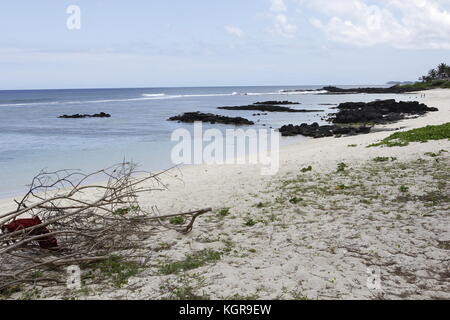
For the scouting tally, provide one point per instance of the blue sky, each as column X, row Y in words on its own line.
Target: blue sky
column 214, row 43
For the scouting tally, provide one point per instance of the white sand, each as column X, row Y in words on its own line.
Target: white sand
column 322, row 249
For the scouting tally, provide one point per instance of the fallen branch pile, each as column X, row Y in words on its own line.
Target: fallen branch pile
column 63, row 220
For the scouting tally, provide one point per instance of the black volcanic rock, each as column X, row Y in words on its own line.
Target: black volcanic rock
column 277, row 103
column 82, row 116
column 394, row 89
column 316, row 131
column 380, row 111
column 267, row 108
column 376, row 112
column 190, row 117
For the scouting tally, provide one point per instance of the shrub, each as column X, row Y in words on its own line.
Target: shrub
column 401, row 139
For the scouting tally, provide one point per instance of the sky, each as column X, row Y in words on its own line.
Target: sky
column 155, row 43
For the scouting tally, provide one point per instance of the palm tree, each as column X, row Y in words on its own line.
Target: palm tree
column 447, row 72
column 442, row 71
column 432, row 74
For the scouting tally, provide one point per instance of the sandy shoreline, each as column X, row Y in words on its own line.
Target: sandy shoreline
column 212, row 184
column 318, row 250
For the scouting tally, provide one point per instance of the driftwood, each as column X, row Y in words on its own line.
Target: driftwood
column 91, row 222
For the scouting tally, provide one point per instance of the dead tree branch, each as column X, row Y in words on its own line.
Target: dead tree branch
column 82, row 218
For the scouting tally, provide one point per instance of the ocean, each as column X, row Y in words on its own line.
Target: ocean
column 33, row 138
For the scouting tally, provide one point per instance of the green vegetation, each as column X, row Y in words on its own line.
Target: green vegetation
column 8, row 292
column 401, row 139
column 384, row 159
column 435, row 155
column 341, row 167
column 295, row 200
column 343, row 187
column 184, row 288
column 262, row 205
column 435, row 84
column 192, row 261
column 381, row 159
column 298, row 295
column 32, row 294
column 436, row 78
column 237, row 297
column 125, row 211
column 118, row 270
column 224, row 212
column 442, row 73
column 304, row 170
column 179, row 220
column 250, row 222
column 434, row 198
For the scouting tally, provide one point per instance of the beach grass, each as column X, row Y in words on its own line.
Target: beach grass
column 184, row 287
column 118, row 270
column 192, row 261
column 401, row 139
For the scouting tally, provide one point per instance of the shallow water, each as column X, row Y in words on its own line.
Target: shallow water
column 34, row 138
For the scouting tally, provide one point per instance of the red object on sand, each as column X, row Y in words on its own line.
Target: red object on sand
column 20, row 224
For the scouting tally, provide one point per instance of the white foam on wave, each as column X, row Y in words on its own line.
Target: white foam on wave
column 281, row 92
column 302, row 92
column 153, row 94
column 163, row 96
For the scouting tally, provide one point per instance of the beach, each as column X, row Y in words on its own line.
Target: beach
column 318, row 233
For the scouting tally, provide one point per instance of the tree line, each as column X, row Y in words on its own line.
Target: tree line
column 442, row 72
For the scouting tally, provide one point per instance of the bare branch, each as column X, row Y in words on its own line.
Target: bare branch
column 82, row 218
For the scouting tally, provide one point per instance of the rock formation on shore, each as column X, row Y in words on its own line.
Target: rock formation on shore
column 393, row 89
column 82, row 116
column 259, row 106
column 370, row 90
column 277, row 103
column 190, row 117
column 316, row 131
column 354, row 117
column 380, row 111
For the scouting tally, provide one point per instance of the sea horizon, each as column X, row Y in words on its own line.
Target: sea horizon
column 202, row 86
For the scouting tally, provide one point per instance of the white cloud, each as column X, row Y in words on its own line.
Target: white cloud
column 235, row 31
column 282, row 27
column 278, row 6
column 418, row 24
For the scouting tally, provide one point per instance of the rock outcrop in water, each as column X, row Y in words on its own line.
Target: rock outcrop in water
column 82, row 116
column 259, row 106
column 280, row 103
column 370, row 90
column 316, row 131
column 394, row 89
column 380, row 111
column 190, row 117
